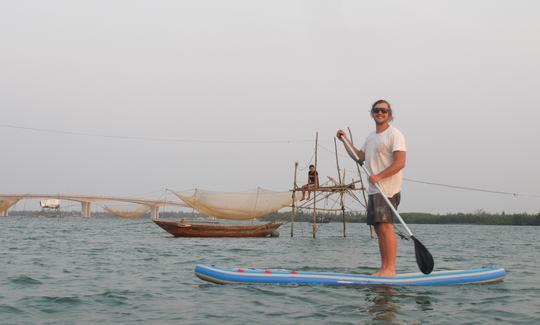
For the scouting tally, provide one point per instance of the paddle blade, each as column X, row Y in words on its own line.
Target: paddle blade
column 423, row 257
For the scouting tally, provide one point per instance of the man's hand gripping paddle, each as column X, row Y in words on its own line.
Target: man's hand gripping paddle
column 423, row 256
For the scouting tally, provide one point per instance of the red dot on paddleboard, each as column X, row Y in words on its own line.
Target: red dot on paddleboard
column 294, row 272
column 268, row 271
column 239, row 270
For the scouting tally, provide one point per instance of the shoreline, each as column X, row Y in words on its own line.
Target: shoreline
column 502, row 219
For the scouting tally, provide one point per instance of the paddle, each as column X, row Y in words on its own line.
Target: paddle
column 423, row 256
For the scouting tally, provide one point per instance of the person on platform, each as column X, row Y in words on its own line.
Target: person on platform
column 313, row 182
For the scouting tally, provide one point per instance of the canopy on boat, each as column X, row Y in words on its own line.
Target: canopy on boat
column 236, row 205
column 50, row 204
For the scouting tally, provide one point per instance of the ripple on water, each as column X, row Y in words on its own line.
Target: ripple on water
column 51, row 304
column 70, row 300
column 113, row 297
column 7, row 309
column 24, row 280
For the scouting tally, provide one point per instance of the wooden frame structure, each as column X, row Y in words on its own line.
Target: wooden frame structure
column 325, row 191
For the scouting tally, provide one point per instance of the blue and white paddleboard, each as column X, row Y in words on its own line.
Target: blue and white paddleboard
column 281, row 276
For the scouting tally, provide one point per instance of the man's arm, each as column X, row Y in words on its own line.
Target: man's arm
column 399, row 163
column 354, row 153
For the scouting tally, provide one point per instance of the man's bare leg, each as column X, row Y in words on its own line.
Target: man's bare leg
column 387, row 248
column 309, row 188
column 381, row 251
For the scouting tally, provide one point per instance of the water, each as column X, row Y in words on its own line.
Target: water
column 114, row 271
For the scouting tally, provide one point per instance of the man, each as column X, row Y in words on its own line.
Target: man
column 384, row 154
column 313, row 182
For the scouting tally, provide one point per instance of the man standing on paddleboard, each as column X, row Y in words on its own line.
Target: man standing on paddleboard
column 384, row 155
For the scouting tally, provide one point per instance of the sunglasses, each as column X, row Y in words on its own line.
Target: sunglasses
column 379, row 110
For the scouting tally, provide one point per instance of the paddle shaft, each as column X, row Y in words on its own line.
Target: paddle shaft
column 390, row 205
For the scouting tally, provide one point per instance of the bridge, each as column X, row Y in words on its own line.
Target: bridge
column 8, row 200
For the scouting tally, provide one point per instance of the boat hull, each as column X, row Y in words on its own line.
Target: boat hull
column 281, row 276
column 182, row 229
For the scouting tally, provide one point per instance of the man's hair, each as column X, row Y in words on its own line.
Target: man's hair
column 311, row 166
column 382, row 101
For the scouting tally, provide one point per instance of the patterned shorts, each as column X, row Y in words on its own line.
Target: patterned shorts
column 379, row 211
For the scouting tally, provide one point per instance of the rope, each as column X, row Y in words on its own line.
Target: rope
column 309, row 163
column 469, row 188
column 458, row 187
column 127, row 137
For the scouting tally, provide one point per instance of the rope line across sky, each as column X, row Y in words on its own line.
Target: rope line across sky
column 214, row 141
column 125, row 137
column 457, row 187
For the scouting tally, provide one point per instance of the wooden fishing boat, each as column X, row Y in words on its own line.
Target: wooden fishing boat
column 185, row 229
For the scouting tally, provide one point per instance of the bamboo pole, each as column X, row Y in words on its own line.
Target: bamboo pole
column 293, row 211
column 351, row 193
column 359, row 173
column 361, row 184
column 305, row 206
column 318, row 209
column 341, row 195
column 341, row 191
column 314, row 221
column 333, row 189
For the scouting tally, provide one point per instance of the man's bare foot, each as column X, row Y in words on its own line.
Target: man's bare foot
column 376, row 273
column 384, row 273
column 387, row 273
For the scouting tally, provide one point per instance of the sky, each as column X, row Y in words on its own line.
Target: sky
column 247, row 84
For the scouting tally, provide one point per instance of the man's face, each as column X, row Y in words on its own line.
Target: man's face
column 381, row 113
column 311, row 169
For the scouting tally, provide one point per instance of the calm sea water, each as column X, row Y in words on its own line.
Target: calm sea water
column 113, row 271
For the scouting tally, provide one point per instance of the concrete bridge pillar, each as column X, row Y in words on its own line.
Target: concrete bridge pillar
column 5, row 213
column 86, row 212
column 155, row 212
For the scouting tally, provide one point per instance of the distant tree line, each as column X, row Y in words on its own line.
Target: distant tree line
column 479, row 217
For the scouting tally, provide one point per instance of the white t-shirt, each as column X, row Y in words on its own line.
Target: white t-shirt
column 379, row 149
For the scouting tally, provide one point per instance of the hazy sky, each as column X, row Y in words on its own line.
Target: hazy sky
column 463, row 78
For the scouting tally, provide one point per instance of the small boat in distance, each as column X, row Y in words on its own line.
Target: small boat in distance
column 185, row 229
column 50, row 208
column 325, row 219
column 50, row 204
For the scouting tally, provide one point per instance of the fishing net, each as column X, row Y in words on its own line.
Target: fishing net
column 7, row 203
column 122, row 212
column 236, row 205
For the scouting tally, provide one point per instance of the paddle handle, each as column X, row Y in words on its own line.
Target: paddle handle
column 390, row 205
